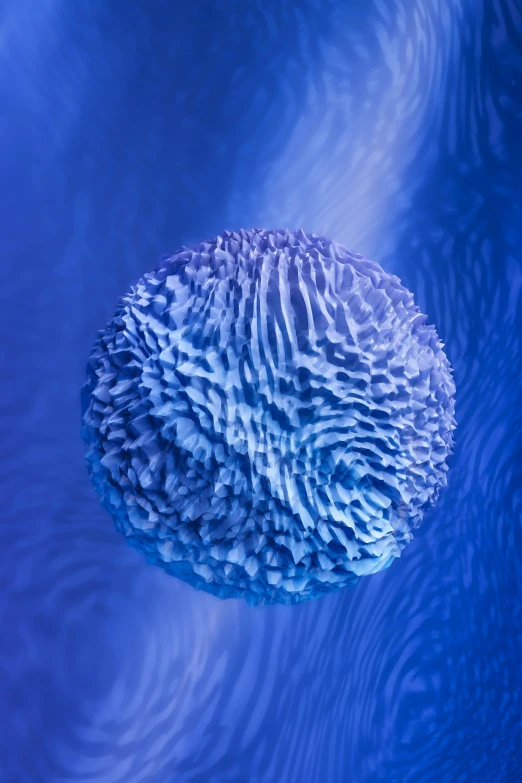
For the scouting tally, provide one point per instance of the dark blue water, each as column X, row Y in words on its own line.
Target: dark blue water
column 130, row 128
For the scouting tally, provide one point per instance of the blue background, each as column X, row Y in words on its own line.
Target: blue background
column 128, row 128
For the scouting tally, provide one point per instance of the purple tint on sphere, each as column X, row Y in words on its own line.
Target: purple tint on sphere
column 267, row 415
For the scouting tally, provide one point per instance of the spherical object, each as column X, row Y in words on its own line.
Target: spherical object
column 268, row 415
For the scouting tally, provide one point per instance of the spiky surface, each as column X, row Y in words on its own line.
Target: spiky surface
column 268, row 415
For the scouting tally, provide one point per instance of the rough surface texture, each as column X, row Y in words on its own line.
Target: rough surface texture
column 267, row 415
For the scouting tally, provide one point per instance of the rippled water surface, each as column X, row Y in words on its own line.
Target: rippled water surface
column 130, row 128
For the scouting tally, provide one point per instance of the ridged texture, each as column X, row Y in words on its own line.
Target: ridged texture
column 267, row 415
column 127, row 128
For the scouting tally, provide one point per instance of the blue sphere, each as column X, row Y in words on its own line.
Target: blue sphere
column 267, row 415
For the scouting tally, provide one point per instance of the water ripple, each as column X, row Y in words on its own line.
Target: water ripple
column 130, row 129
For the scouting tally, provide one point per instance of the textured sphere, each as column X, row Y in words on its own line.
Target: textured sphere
column 268, row 415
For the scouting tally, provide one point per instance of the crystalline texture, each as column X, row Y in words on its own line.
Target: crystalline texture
column 268, row 415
